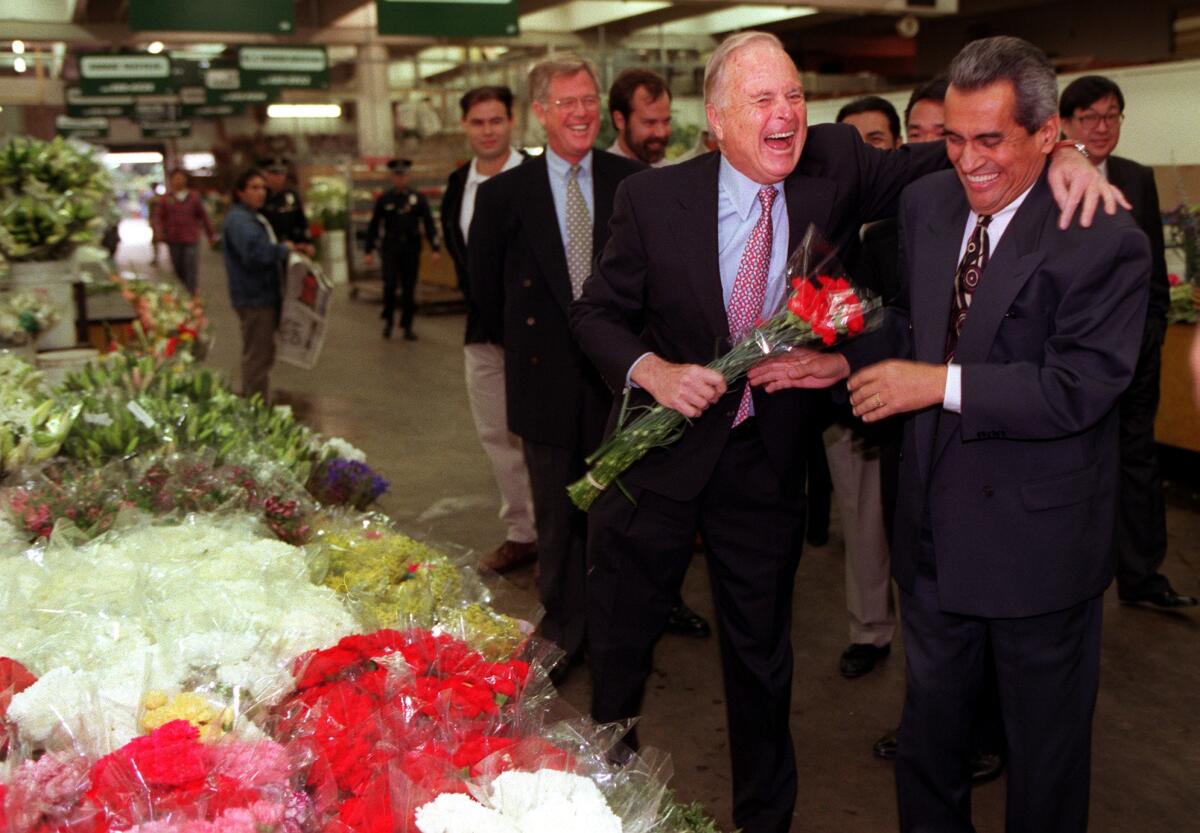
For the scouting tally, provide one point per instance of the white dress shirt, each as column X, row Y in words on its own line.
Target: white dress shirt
column 952, row 396
column 474, row 180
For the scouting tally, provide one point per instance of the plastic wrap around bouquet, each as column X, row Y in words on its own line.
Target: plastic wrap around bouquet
column 823, row 307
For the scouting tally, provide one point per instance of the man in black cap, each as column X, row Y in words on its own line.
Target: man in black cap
column 283, row 208
column 399, row 210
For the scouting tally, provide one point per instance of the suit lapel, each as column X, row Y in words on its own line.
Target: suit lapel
column 930, row 285
column 810, row 201
column 604, row 187
column 541, row 223
column 695, row 227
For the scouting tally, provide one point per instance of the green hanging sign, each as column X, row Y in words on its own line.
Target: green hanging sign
column 80, row 106
column 268, row 17
column 448, row 18
column 93, row 128
column 124, row 74
column 166, row 129
column 277, row 67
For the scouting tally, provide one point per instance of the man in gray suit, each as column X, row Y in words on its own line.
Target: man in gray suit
column 1010, row 367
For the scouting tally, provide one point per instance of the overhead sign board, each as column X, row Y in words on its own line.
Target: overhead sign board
column 166, row 129
column 95, row 128
column 276, row 67
column 269, row 17
column 82, row 106
column 124, row 74
column 448, row 18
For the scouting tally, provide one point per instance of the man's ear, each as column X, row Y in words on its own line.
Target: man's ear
column 1048, row 134
column 618, row 120
column 714, row 122
column 539, row 111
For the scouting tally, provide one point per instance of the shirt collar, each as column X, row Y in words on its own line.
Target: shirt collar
column 559, row 167
column 1005, row 214
column 474, row 177
column 742, row 190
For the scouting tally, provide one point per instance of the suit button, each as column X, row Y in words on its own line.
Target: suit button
column 988, row 491
column 530, row 321
column 527, row 283
column 534, row 360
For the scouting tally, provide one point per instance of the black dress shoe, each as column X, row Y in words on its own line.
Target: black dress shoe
column 409, row 335
column 986, row 766
column 1165, row 598
column 683, row 621
column 860, row 658
column 887, row 745
column 387, row 330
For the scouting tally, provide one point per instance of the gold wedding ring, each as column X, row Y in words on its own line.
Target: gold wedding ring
column 878, row 401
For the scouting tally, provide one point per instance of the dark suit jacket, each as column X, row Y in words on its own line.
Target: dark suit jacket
column 1137, row 183
column 657, row 285
column 1020, row 489
column 456, row 185
column 521, row 290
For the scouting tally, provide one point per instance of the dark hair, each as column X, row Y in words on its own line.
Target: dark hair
column 243, row 180
column 1003, row 58
column 932, row 90
column 872, row 104
column 176, row 171
column 479, row 95
column 620, row 95
column 1085, row 91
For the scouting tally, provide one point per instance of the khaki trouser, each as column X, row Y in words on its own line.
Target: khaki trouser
column 258, row 348
column 485, row 389
column 854, row 469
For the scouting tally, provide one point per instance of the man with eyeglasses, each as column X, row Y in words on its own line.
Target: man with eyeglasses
column 1092, row 109
column 530, row 249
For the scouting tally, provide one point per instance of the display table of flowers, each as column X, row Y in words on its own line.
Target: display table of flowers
column 204, row 627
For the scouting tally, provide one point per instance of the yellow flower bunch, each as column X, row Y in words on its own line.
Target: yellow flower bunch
column 159, row 708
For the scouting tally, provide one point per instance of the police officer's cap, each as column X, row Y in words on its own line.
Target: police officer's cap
column 399, row 166
column 275, row 165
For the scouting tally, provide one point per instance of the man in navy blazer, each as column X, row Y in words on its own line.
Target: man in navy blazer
column 1010, row 462
column 529, row 250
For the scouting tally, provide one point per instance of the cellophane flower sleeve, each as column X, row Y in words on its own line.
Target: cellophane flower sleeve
column 822, row 307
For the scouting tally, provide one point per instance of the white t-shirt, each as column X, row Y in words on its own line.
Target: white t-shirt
column 474, row 179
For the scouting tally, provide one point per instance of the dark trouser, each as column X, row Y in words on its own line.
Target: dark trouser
column 1048, row 670
column 561, row 537
column 185, row 260
column 400, row 266
column 1142, row 519
column 258, row 348
column 752, row 524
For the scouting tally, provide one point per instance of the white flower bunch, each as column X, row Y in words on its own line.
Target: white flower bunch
column 337, row 447
column 546, row 801
column 207, row 602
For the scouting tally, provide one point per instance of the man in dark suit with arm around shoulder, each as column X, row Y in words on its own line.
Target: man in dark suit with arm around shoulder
column 529, row 251
column 1013, row 362
column 1092, row 108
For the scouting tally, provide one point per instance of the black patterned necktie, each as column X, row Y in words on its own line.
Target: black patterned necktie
column 966, row 281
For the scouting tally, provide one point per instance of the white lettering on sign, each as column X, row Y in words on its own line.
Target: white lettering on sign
column 269, row 59
column 125, row 66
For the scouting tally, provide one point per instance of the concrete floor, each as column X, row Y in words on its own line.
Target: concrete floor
column 405, row 405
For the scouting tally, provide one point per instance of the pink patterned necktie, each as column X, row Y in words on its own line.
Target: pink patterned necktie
column 750, row 286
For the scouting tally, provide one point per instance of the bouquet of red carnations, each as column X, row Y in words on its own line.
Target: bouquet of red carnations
column 823, row 306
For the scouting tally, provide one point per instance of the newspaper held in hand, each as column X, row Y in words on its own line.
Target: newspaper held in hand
column 306, row 296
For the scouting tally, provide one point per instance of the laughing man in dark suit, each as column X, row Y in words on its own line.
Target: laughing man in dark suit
column 1012, row 366
column 529, row 251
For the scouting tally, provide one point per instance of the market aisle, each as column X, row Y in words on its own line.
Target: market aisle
column 405, row 405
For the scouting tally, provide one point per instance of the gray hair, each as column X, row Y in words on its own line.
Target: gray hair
column 560, row 66
column 714, row 71
column 988, row 61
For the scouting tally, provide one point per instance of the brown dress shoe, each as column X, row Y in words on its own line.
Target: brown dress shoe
column 509, row 556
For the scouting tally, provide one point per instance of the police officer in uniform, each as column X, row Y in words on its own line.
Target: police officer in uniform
column 283, row 208
column 397, row 214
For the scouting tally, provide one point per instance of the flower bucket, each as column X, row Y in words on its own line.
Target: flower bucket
column 57, row 278
column 56, row 364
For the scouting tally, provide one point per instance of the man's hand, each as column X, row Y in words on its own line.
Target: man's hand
column 307, row 249
column 435, row 255
column 1072, row 179
column 687, row 388
column 799, row 368
column 894, row 387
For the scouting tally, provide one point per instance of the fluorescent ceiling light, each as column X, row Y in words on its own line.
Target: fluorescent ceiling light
column 536, row 150
column 586, row 14
column 155, row 48
column 198, row 161
column 304, row 111
column 133, row 157
column 19, row 64
column 730, row 20
column 18, row 47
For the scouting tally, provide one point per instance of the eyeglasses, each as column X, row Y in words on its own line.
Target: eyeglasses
column 1090, row 121
column 587, row 102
